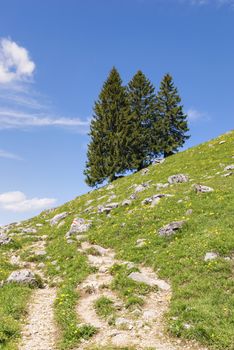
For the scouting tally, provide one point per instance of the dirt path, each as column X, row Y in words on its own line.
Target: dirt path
column 39, row 331
column 142, row 330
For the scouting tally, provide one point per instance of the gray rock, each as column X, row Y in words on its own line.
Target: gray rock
column 170, row 229
column 229, row 167
column 144, row 171
column 189, row 212
column 29, row 230
column 39, row 225
column 155, row 198
column 126, row 202
column 158, row 161
column 113, row 196
column 160, row 185
column 178, row 178
column 100, row 250
column 41, row 265
column 78, row 225
column 202, row 189
column 4, row 239
column 141, row 242
column 222, row 142
column 210, row 256
column 55, row 220
column 141, row 187
column 150, row 281
column 23, row 277
column 133, row 196
column 88, row 202
column 227, row 174
column 107, row 208
column 40, row 253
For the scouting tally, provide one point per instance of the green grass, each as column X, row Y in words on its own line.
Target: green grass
column 202, row 292
column 105, row 307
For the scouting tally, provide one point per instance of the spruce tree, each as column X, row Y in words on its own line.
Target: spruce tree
column 110, row 132
column 142, row 101
column 171, row 125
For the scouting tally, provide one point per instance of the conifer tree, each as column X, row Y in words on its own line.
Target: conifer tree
column 171, row 126
column 110, row 132
column 142, row 101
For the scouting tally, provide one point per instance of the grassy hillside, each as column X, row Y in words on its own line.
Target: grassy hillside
column 203, row 291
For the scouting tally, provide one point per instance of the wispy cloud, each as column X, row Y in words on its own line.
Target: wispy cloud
column 218, row 3
column 13, row 119
column 22, row 107
column 194, row 115
column 9, row 155
column 17, row 201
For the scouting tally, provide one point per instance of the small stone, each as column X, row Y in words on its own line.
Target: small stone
column 210, row 256
column 141, row 242
column 144, row 171
column 126, row 202
column 178, row 178
column 141, row 187
column 41, row 265
column 170, row 229
column 187, row 325
column 150, row 281
column 39, row 225
column 229, row 167
column 189, row 212
column 29, row 230
column 40, row 252
column 222, row 142
column 202, row 189
column 160, row 185
column 158, row 161
column 100, row 250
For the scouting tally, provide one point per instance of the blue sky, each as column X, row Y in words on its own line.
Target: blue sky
column 54, row 57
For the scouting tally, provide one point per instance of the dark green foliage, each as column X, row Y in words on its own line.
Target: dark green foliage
column 131, row 126
column 142, row 100
column 108, row 151
column 171, row 125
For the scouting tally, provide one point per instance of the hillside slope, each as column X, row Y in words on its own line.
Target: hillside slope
column 200, row 304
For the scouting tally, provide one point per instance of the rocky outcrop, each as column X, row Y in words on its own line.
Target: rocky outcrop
column 55, row 220
column 202, row 189
column 178, row 178
column 23, row 277
column 78, row 225
column 4, row 239
column 107, row 208
column 170, row 229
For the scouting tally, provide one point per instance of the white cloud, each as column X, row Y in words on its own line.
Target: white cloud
column 17, row 201
column 15, row 63
column 12, row 119
column 195, row 115
column 9, row 155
